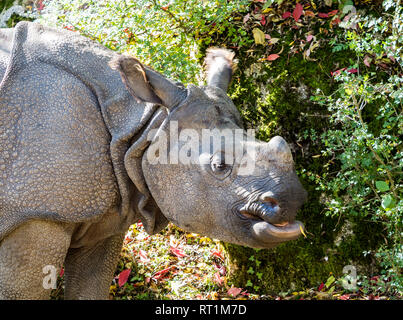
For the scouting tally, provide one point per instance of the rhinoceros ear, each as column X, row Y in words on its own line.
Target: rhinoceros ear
column 219, row 66
column 147, row 85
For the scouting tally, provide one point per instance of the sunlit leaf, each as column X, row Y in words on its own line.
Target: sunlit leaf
column 273, row 57
column 259, row 36
column 297, row 11
column 123, row 276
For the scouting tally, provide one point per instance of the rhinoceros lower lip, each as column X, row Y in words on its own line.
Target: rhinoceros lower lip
column 272, row 232
column 267, row 232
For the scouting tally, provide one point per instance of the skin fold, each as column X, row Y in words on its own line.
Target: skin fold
column 79, row 127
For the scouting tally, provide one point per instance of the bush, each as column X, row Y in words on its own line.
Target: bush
column 366, row 135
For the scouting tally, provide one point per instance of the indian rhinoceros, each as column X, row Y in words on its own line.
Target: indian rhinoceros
column 76, row 123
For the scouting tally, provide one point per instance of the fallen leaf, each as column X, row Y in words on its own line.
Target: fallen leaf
column 309, row 37
column 40, row 5
column 272, row 57
column 61, row 272
column 234, row 291
column 297, row 11
column 263, row 20
column 274, row 40
column 246, row 18
column 143, row 256
column 344, row 297
column 321, row 286
column 286, row 14
column 160, row 274
column 217, row 279
column 309, row 13
column 259, row 36
column 217, row 254
column 123, row 276
column 352, row 70
column 323, row 15
column 177, row 252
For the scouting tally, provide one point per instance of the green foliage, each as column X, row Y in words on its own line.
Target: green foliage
column 366, row 135
column 163, row 34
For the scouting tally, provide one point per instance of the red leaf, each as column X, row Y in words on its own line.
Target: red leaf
column 321, row 286
column 165, row 8
column 367, row 61
column 234, row 291
column 177, row 252
column 223, row 270
column 336, row 21
column 217, row 254
column 352, row 70
column 263, row 20
column 40, row 5
column 344, row 297
column 297, row 11
column 286, row 14
column 160, row 274
column 123, row 276
column 309, row 37
column 61, row 272
column 337, row 72
column 323, row 15
column 272, row 57
column 143, row 256
column 332, row 13
column 218, row 279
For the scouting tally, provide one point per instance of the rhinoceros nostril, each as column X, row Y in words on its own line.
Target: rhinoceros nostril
column 268, row 197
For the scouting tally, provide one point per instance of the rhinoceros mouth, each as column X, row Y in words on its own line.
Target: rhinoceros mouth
column 265, row 224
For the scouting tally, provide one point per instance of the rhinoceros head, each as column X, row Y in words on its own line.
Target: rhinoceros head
column 205, row 172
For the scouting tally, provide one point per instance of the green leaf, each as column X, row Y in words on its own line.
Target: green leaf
column 250, row 270
column 382, row 186
column 329, row 281
column 388, row 202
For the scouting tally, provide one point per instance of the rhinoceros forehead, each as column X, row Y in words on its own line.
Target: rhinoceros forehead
column 209, row 105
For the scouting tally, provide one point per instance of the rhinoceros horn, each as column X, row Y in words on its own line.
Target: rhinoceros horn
column 147, row 85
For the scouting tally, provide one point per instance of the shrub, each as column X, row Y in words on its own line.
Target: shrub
column 366, row 135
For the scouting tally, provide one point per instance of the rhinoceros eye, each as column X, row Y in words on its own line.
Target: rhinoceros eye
column 218, row 165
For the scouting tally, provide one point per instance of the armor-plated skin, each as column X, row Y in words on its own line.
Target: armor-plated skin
column 75, row 122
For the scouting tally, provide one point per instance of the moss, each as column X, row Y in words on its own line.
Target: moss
column 274, row 98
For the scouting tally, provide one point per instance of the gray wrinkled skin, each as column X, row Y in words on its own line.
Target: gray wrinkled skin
column 74, row 170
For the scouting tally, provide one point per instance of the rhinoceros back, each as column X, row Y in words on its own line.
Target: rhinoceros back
column 55, row 160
